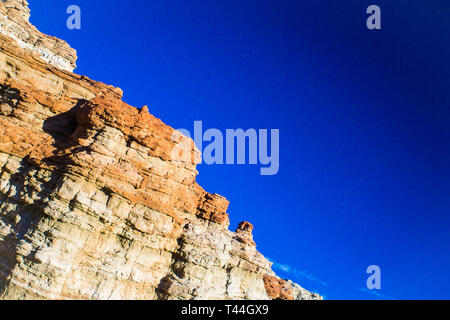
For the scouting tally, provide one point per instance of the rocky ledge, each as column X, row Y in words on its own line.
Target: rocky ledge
column 92, row 203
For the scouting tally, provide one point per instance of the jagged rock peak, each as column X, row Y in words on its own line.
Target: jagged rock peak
column 20, row 5
column 14, row 23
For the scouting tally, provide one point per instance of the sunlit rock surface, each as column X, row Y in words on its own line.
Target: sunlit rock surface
column 93, row 205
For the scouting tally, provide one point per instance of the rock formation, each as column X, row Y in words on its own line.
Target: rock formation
column 93, row 205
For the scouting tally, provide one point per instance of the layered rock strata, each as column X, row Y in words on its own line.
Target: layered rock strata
column 14, row 22
column 93, row 205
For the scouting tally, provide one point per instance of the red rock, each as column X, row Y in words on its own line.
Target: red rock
column 245, row 226
column 277, row 289
column 94, row 205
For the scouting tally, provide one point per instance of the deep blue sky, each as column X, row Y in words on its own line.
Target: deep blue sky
column 363, row 115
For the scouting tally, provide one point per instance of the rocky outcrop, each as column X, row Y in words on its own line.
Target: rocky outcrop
column 93, row 203
column 14, row 22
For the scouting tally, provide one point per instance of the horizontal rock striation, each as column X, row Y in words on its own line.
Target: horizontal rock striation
column 93, row 205
column 14, row 22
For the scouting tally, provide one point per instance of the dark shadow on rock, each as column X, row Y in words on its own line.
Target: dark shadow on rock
column 25, row 217
column 10, row 96
column 23, row 220
column 62, row 128
column 176, row 269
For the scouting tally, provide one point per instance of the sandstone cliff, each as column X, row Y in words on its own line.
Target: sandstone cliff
column 93, row 205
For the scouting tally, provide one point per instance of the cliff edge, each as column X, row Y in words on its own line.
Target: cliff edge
column 93, row 204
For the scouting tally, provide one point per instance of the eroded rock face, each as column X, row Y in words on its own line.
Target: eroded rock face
column 14, row 22
column 93, row 205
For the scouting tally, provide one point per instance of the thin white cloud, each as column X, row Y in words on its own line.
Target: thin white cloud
column 376, row 293
column 297, row 273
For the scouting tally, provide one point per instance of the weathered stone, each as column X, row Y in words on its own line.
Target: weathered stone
column 92, row 203
column 14, row 22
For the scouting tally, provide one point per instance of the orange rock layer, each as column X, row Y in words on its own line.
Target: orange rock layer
column 93, row 202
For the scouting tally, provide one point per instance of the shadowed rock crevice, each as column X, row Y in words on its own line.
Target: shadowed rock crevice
column 10, row 96
column 64, row 130
column 9, row 100
column 175, row 273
